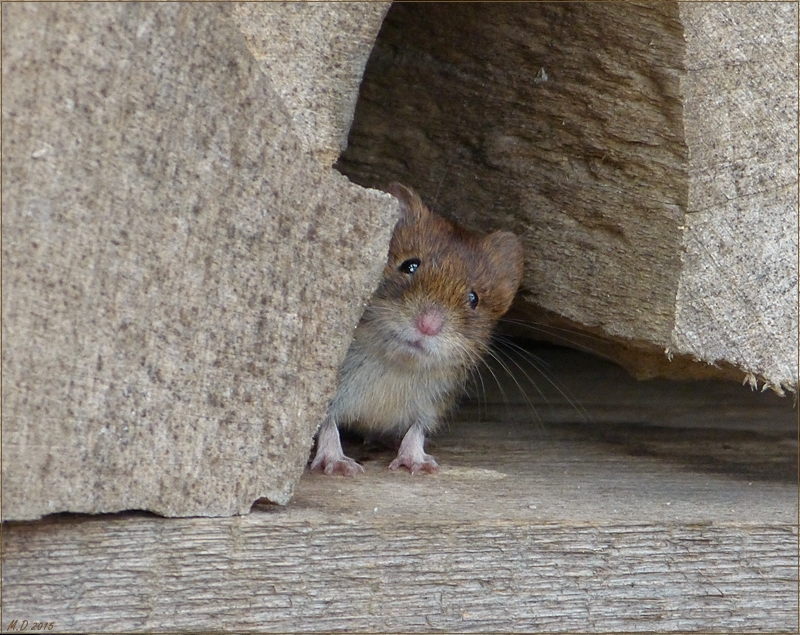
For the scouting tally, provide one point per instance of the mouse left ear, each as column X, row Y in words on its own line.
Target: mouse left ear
column 412, row 209
column 507, row 259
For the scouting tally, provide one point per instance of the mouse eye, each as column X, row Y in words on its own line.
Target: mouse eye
column 410, row 266
column 473, row 299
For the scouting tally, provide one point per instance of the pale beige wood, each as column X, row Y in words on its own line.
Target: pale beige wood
column 181, row 268
column 737, row 298
column 646, row 516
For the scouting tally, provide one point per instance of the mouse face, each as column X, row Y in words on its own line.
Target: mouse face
column 443, row 290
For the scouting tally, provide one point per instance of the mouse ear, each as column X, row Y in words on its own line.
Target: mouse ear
column 412, row 209
column 507, row 260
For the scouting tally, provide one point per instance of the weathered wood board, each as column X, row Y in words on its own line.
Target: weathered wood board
column 172, row 236
column 657, row 507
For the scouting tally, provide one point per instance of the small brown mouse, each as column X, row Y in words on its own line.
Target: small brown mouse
column 426, row 327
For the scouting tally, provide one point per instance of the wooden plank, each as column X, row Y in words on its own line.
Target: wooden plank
column 559, row 525
column 306, row 572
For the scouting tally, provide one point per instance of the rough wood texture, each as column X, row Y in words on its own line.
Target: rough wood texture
column 647, row 152
column 737, row 300
column 181, row 273
column 314, row 54
column 675, row 511
column 317, row 573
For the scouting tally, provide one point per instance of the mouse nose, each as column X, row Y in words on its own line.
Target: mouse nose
column 430, row 322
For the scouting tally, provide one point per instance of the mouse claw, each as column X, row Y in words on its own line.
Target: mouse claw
column 428, row 465
column 330, row 459
column 343, row 465
column 412, row 452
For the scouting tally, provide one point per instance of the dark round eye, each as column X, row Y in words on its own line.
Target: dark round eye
column 473, row 299
column 410, row 266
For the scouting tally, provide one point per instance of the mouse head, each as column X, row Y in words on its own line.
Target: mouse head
column 444, row 287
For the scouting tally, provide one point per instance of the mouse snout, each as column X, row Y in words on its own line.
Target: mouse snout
column 430, row 321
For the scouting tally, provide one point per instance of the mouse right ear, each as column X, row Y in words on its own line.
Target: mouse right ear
column 412, row 209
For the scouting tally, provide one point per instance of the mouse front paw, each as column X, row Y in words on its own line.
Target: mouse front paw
column 330, row 459
column 343, row 465
column 412, row 452
column 416, row 465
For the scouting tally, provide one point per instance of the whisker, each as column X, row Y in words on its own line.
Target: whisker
column 496, row 355
column 549, row 330
column 497, row 381
column 537, row 364
column 508, row 356
column 474, row 377
column 475, row 373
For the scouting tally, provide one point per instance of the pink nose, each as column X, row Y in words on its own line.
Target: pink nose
column 430, row 322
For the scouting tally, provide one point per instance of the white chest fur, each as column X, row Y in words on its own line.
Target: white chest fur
column 377, row 396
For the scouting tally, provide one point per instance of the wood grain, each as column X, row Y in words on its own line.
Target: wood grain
column 271, row 572
column 163, row 345
column 647, row 516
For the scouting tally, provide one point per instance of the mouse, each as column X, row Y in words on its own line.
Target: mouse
column 426, row 328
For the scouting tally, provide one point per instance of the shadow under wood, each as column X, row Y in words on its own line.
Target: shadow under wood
column 740, row 454
column 570, row 398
